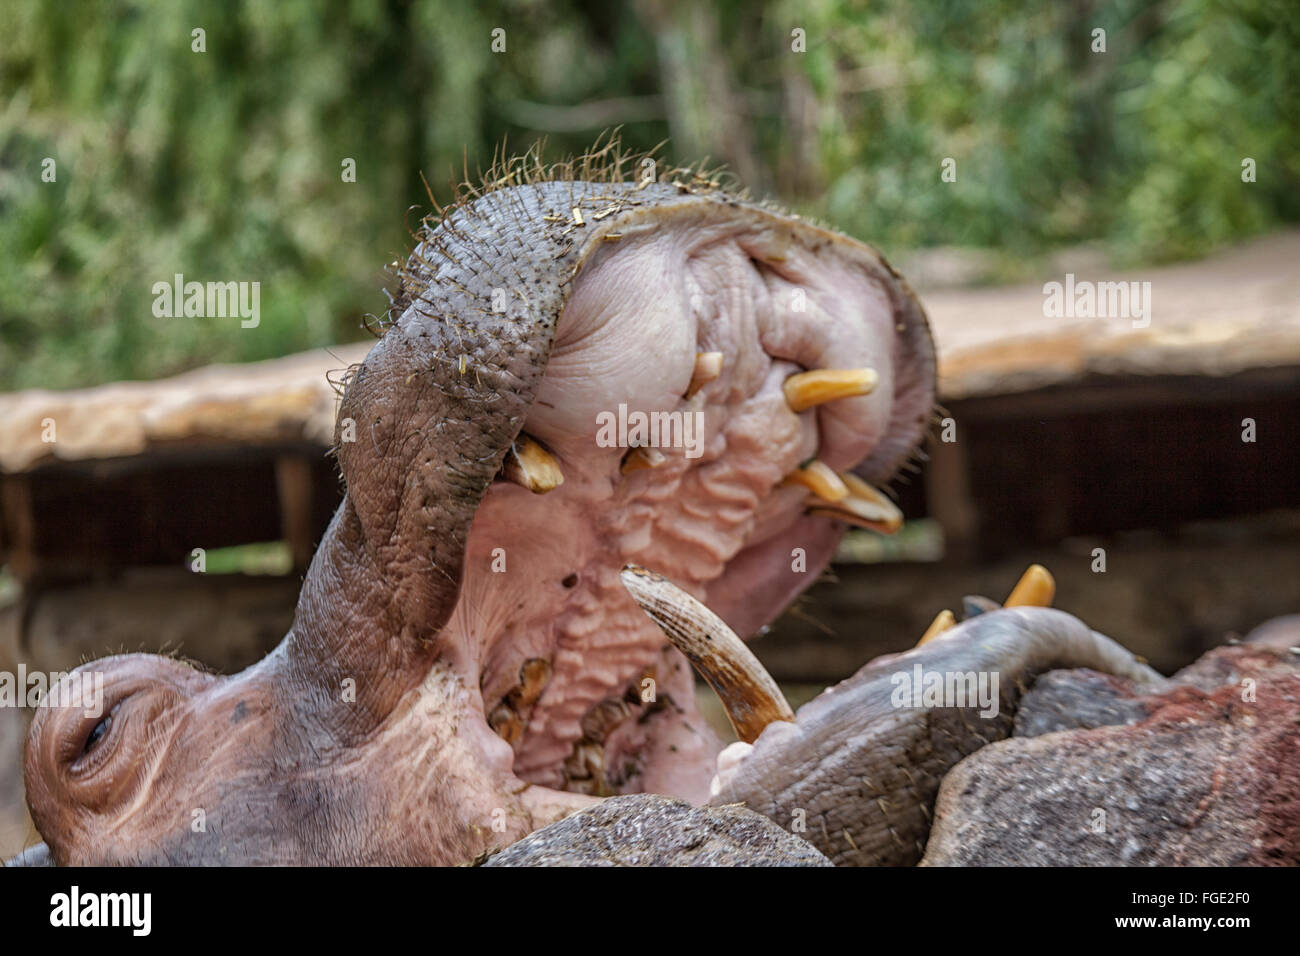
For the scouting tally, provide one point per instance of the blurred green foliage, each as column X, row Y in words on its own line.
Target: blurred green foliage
column 225, row 165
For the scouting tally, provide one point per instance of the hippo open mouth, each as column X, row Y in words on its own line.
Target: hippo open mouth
column 582, row 373
column 713, row 364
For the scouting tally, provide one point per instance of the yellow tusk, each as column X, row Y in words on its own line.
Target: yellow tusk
column 1036, row 588
column 819, row 478
column 639, row 458
column 943, row 621
column 865, row 507
column 708, row 366
column 806, row 389
column 531, row 465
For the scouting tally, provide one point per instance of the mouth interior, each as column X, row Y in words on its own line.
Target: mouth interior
column 584, row 688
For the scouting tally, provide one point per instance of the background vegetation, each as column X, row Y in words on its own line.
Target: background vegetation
column 225, row 165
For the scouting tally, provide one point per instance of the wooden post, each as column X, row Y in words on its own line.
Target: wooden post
column 293, row 482
column 948, row 497
column 20, row 522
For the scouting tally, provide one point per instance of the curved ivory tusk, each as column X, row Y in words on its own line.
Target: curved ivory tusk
column 750, row 696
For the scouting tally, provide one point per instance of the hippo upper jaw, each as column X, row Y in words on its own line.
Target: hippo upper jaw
column 464, row 665
column 572, row 676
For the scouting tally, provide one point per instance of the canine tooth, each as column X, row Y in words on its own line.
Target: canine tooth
column 748, row 693
column 806, row 389
column 819, row 478
column 531, row 465
column 642, row 457
column 1036, row 588
column 942, row 622
column 865, row 507
column 708, row 366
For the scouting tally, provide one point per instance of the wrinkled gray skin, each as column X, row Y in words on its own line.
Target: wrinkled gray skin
column 858, row 775
column 1200, row 770
column 363, row 737
column 650, row 830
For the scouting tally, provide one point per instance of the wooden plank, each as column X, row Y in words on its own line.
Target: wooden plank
column 274, row 403
column 1235, row 311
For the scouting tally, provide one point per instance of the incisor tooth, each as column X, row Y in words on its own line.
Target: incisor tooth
column 708, row 366
column 1036, row 588
column 748, row 693
column 806, row 389
column 942, row 622
column 865, row 507
column 531, row 465
column 642, row 457
column 819, row 478
column 854, row 512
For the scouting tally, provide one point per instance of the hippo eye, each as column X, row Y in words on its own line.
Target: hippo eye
column 97, row 733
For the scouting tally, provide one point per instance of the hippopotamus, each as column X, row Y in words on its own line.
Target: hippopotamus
column 615, row 418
